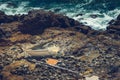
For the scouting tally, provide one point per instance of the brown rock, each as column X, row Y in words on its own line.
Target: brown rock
column 9, row 76
column 89, row 57
column 10, row 28
column 79, row 48
column 20, row 38
column 16, row 64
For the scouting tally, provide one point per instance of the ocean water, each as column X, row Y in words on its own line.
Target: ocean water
column 94, row 13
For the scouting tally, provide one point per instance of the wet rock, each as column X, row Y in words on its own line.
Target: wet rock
column 83, row 29
column 84, row 51
column 114, row 26
column 118, row 18
column 79, row 14
column 2, row 13
column 7, row 18
column 111, row 22
column 38, row 20
column 94, row 16
column 86, row 30
column 57, row 9
column 114, row 29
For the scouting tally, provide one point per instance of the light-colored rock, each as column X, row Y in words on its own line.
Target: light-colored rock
column 16, row 64
column 54, row 49
column 92, row 78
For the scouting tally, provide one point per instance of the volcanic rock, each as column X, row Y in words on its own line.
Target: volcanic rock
column 82, row 51
column 7, row 18
column 114, row 26
column 118, row 18
column 86, row 30
column 37, row 20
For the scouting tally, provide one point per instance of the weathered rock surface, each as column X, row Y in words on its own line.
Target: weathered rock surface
column 38, row 20
column 83, row 53
column 10, row 28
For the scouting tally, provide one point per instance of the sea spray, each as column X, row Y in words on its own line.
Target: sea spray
column 81, row 10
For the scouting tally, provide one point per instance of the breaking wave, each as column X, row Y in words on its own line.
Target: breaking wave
column 94, row 13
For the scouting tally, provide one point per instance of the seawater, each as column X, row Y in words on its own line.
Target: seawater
column 94, row 13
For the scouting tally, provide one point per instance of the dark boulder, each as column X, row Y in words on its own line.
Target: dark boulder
column 114, row 26
column 118, row 18
column 86, row 30
column 83, row 29
column 7, row 18
column 37, row 20
column 112, row 22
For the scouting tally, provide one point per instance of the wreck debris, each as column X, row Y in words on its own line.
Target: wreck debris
column 50, row 51
column 52, row 61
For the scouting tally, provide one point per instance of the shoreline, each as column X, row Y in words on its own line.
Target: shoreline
column 90, row 52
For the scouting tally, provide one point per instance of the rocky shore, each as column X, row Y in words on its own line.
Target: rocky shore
column 81, row 52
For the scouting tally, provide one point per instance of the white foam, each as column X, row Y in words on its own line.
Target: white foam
column 21, row 9
column 100, row 22
column 95, row 23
